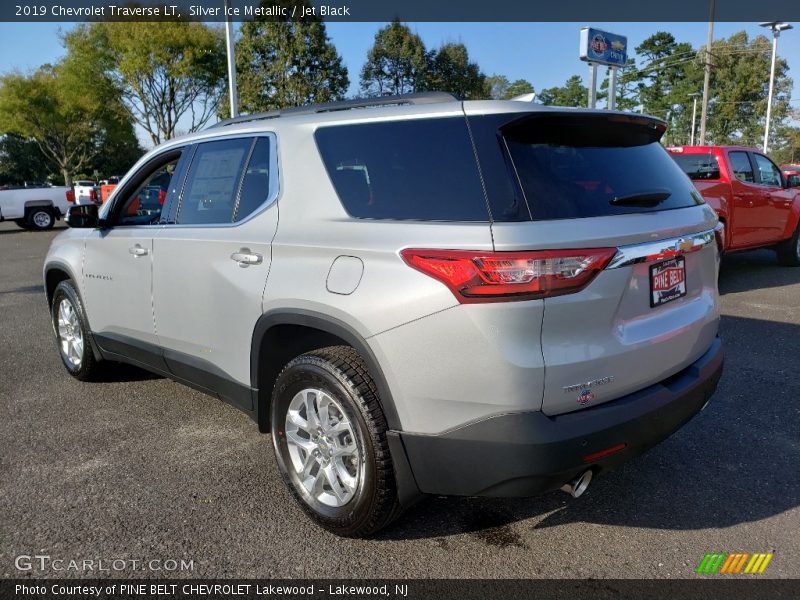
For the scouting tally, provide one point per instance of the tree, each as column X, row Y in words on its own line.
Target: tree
column 21, row 160
column 397, row 63
column 572, row 93
column 169, row 73
column 287, row 63
column 497, row 87
column 451, row 71
column 740, row 88
column 68, row 120
column 519, row 87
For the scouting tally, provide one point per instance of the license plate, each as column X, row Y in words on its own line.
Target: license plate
column 667, row 281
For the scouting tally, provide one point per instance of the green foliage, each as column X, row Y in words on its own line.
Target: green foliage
column 497, row 86
column 21, row 160
column 166, row 71
column 450, row 70
column 517, row 88
column 397, row 63
column 572, row 93
column 69, row 111
column 287, row 63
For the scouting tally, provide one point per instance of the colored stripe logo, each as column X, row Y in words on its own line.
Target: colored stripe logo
column 734, row 563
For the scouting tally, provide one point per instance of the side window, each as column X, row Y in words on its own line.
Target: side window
column 256, row 183
column 768, row 173
column 741, row 166
column 144, row 205
column 213, row 181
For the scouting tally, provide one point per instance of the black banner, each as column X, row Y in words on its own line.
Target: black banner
column 406, row 10
column 716, row 588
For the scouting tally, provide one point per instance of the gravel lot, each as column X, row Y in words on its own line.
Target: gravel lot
column 142, row 468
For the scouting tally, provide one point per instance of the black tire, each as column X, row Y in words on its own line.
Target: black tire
column 21, row 223
column 40, row 218
column 87, row 367
column 789, row 251
column 341, row 373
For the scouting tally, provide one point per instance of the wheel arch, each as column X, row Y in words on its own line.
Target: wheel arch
column 283, row 334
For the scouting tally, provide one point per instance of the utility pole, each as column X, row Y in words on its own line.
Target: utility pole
column 693, row 96
column 233, row 94
column 776, row 27
column 707, row 76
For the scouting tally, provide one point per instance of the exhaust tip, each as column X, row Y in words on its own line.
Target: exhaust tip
column 579, row 485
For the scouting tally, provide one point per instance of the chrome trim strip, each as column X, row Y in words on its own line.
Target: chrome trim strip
column 660, row 250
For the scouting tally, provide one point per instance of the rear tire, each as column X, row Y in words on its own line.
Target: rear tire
column 73, row 337
column 22, row 223
column 41, row 218
column 789, row 251
column 329, row 434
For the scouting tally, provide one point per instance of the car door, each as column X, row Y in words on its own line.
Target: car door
column 777, row 198
column 211, row 264
column 749, row 204
column 117, row 268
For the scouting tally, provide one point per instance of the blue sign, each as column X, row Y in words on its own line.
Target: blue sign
column 604, row 48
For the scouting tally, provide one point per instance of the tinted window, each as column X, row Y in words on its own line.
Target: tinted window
column 768, row 173
column 256, row 181
column 213, row 182
column 144, row 206
column 742, row 169
column 572, row 167
column 420, row 169
column 698, row 167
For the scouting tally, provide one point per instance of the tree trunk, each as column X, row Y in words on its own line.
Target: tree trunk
column 67, row 177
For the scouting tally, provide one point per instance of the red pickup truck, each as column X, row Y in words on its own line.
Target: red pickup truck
column 759, row 205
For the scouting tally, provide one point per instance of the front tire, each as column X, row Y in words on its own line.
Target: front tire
column 41, row 218
column 72, row 332
column 789, row 251
column 329, row 434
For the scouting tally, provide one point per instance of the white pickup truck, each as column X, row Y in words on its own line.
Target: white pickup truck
column 35, row 207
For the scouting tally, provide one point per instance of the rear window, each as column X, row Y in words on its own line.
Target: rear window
column 584, row 166
column 421, row 169
column 699, row 167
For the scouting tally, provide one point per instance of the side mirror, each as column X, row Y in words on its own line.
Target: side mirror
column 83, row 216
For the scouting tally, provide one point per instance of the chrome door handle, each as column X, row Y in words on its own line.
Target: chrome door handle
column 138, row 251
column 245, row 258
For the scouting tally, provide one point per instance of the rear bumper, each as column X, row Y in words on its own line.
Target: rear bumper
column 524, row 454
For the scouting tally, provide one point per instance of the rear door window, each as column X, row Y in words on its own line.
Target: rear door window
column 592, row 166
column 742, row 169
column 421, row 169
column 768, row 173
column 699, row 167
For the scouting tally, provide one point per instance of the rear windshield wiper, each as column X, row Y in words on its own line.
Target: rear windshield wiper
column 644, row 198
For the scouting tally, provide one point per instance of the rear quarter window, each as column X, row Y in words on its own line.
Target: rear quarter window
column 420, row 169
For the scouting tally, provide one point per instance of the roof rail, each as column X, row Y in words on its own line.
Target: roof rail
column 309, row 109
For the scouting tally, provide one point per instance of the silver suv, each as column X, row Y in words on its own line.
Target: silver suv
column 415, row 295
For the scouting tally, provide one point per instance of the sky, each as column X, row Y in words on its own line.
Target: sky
column 545, row 54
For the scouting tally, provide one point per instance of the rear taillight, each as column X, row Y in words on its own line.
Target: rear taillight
column 92, row 195
column 475, row 276
column 71, row 196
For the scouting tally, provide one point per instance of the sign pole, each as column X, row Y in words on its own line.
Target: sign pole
column 230, row 50
column 592, row 85
column 612, row 89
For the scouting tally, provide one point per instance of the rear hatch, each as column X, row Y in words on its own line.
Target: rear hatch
column 602, row 181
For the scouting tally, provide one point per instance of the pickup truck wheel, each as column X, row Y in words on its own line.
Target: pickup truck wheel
column 41, row 218
column 789, row 251
column 329, row 434
column 72, row 333
column 21, row 223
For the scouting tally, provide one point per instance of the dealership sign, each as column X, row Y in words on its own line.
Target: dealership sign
column 604, row 48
